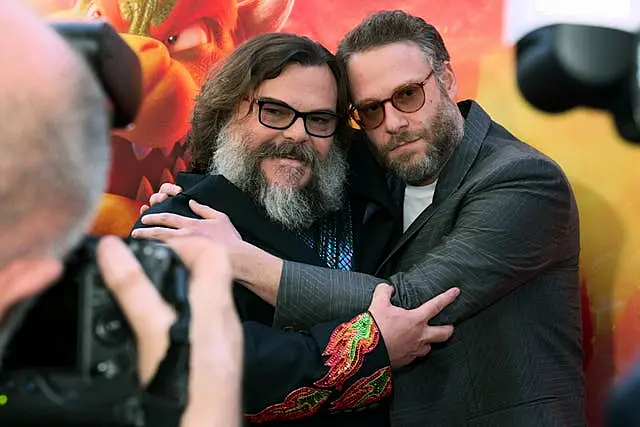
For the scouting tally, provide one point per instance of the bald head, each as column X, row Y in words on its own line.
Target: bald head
column 53, row 139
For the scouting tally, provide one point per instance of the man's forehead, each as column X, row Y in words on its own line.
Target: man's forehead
column 376, row 73
column 303, row 87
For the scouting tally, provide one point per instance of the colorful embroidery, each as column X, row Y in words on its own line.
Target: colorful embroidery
column 365, row 391
column 300, row 403
column 348, row 345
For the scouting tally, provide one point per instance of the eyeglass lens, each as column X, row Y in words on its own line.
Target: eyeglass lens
column 279, row 116
column 408, row 99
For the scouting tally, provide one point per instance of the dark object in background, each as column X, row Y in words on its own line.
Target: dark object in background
column 563, row 66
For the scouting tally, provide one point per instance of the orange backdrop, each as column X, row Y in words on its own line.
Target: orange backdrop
column 605, row 170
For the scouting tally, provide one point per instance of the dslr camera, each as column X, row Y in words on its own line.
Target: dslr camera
column 72, row 361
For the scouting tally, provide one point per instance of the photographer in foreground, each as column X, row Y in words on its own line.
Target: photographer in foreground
column 54, row 164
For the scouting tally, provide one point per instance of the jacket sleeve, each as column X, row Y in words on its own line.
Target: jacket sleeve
column 333, row 367
column 510, row 228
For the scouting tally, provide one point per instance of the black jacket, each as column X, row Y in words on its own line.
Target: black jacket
column 285, row 372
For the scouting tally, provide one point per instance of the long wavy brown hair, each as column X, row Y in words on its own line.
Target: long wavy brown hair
column 256, row 60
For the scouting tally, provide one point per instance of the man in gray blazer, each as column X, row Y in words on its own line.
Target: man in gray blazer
column 480, row 210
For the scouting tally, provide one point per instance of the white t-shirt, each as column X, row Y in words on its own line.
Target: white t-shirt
column 416, row 199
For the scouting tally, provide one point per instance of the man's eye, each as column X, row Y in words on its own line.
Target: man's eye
column 371, row 108
column 319, row 120
column 406, row 93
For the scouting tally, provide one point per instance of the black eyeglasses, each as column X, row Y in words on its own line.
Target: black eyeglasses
column 278, row 115
column 408, row 98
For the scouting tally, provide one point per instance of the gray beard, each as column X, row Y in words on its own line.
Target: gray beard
column 294, row 208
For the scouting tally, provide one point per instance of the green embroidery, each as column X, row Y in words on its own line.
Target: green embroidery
column 375, row 387
column 298, row 404
column 308, row 402
column 364, row 392
column 363, row 329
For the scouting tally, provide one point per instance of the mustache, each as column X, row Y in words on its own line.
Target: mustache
column 402, row 138
column 300, row 152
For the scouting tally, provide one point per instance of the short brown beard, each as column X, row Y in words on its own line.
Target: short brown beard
column 445, row 134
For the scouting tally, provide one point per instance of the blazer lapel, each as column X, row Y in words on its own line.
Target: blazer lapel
column 476, row 127
column 250, row 221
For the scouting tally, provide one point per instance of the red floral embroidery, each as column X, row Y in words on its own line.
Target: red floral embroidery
column 365, row 391
column 348, row 345
column 300, row 403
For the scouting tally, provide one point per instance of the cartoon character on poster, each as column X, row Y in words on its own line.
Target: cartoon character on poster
column 177, row 42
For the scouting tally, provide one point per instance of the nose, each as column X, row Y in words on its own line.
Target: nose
column 296, row 132
column 394, row 121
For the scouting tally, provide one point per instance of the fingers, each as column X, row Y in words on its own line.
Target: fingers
column 147, row 313
column 423, row 351
column 436, row 334
column 214, row 318
column 157, row 233
column 167, row 220
column 216, row 331
column 435, row 305
column 193, row 251
column 157, row 198
column 381, row 296
column 143, row 208
column 169, row 189
column 210, row 269
column 209, row 264
column 202, row 211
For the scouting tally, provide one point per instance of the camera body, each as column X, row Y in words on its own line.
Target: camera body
column 73, row 360
column 112, row 61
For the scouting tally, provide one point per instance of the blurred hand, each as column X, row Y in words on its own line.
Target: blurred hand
column 406, row 332
column 215, row 329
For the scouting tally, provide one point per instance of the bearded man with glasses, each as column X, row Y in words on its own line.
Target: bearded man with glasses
column 270, row 133
column 481, row 210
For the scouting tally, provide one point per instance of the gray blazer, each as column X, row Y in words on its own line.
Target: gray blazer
column 504, row 228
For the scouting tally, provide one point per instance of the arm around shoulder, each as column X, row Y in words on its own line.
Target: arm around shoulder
column 518, row 221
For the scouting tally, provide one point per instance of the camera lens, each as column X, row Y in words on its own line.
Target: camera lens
column 110, row 328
